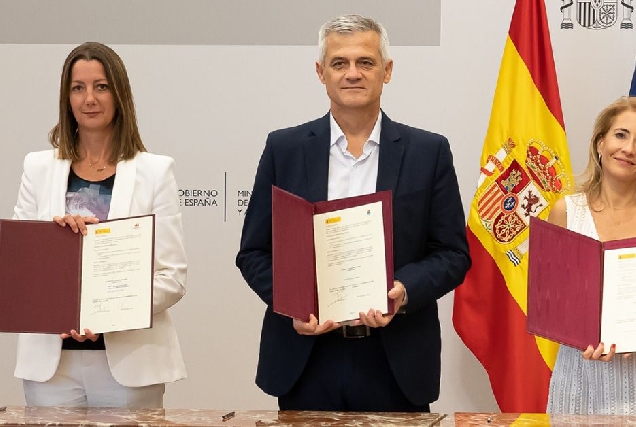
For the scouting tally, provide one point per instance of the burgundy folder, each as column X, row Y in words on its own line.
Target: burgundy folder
column 40, row 277
column 293, row 259
column 565, row 284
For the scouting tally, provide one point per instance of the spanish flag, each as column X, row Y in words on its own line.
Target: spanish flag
column 524, row 168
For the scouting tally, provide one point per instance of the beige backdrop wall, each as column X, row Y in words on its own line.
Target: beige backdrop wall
column 211, row 103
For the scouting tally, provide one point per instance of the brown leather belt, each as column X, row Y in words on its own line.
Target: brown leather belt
column 359, row 331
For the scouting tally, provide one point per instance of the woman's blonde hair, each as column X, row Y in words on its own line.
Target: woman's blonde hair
column 591, row 178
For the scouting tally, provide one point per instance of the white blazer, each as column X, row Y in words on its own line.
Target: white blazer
column 142, row 186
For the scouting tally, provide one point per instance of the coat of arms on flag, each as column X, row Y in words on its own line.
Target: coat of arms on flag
column 509, row 195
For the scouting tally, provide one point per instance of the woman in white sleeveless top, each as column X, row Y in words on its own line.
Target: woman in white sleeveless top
column 604, row 208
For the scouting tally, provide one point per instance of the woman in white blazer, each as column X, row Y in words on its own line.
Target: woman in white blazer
column 99, row 169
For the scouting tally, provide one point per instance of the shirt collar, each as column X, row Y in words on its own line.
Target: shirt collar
column 338, row 135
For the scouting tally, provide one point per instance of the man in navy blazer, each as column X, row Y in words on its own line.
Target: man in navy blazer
column 381, row 363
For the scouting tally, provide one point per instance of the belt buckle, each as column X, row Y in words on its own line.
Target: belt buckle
column 366, row 333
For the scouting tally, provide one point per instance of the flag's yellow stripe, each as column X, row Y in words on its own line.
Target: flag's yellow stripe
column 520, row 113
column 548, row 350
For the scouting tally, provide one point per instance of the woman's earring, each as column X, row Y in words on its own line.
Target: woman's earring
column 599, row 159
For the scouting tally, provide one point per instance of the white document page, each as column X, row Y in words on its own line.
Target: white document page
column 350, row 262
column 117, row 275
column 618, row 310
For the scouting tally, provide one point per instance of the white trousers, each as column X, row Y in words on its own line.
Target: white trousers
column 83, row 379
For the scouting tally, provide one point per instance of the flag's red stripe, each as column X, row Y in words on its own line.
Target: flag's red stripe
column 490, row 212
column 492, row 326
column 530, row 34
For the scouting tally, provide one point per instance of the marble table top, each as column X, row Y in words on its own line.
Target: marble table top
column 101, row 417
column 49, row 416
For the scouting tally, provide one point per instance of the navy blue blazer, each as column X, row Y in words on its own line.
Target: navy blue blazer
column 430, row 249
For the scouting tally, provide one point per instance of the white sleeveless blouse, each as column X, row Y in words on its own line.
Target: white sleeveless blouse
column 581, row 386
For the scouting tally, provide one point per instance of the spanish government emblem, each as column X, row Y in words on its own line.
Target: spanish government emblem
column 597, row 14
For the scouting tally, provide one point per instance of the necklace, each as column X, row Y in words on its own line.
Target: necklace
column 96, row 168
column 93, row 165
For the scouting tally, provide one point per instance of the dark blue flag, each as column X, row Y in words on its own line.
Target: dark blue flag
column 632, row 89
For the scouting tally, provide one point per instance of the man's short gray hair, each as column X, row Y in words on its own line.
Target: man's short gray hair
column 349, row 24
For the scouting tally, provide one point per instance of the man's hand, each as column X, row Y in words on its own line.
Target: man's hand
column 374, row 318
column 313, row 328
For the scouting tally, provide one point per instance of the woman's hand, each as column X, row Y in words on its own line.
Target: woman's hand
column 76, row 222
column 88, row 335
column 592, row 353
